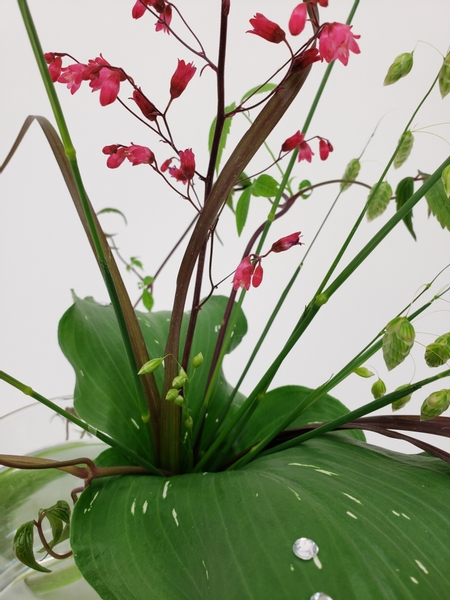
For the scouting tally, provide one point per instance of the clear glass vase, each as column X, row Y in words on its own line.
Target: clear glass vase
column 36, row 430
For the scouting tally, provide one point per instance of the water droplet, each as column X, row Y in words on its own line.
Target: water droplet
column 305, row 548
column 320, row 596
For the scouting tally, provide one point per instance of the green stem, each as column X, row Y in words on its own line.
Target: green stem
column 28, row 391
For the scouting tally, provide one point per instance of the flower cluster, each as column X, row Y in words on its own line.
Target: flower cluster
column 250, row 271
column 304, row 149
column 137, row 155
column 186, row 171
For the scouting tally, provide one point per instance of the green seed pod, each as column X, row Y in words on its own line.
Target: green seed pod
column 351, row 173
column 179, row 400
column 150, row 366
column 321, row 299
column 189, row 423
column 405, row 145
column 397, row 341
column 438, row 353
column 378, row 200
column 363, row 372
column 435, row 405
column 403, row 401
column 172, row 394
column 197, row 360
column 444, row 77
column 445, row 178
column 378, row 389
column 401, row 66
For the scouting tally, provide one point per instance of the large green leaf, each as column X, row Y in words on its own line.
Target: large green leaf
column 380, row 519
column 105, row 394
column 279, row 402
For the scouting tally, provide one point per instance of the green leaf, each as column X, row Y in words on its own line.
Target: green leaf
column 380, row 520
column 105, row 395
column 379, row 198
column 397, row 341
column 403, row 192
column 444, row 76
column 265, row 185
column 279, row 402
column 58, row 516
column 401, row 66
column 242, row 208
column 351, row 173
column 439, row 203
column 305, row 184
column 116, row 211
column 405, row 146
column 23, row 547
column 223, row 138
column 268, row 87
column 445, row 178
column 147, row 299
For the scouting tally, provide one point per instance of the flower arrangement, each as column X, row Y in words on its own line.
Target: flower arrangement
column 204, row 491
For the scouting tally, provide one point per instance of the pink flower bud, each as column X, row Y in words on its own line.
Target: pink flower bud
column 325, row 148
column 266, row 29
column 298, row 19
column 287, row 242
column 293, row 142
column 148, row 109
column 257, row 275
column 54, row 65
column 182, row 76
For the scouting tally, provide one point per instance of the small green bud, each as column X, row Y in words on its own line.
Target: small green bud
column 403, row 401
column 179, row 400
column 405, row 145
column 378, row 200
column 435, row 405
column 189, row 423
column 351, row 173
column 445, row 178
column 321, row 299
column 397, row 341
column 444, row 77
column 363, row 372
column 172, row 394
column 438, row 353
column 401, row 66
column 197, row 360
column 378, row 389
column 150, row 366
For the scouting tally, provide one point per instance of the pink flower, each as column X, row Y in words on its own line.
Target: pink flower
column 336, row 41
column 164, row 21
column 148, row 109
column 305, row 152
column 243, row 274
column 298, row 19
column 105, row 79
column 293, row 142
column 266, row 29
column 140, row 8
column 186, row 171
column 54, row 65
column 182, row 76
column 137, row 155
column 72, row 76
column 325, row 148
column 287, row 242
column 257, row 275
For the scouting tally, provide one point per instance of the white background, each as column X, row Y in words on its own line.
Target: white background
column 43, row 250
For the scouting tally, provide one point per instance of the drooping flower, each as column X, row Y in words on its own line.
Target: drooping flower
column 297, row 21
column 105, row 79
column 186, row 170
column 140, row 7
column 243, row 274
column 164, row 21
column 305, row 152
column 325, row 148
column 287, row 242
column 72, row 76
column 137, row 155
column 257, row 275
column 266, row 29
column 54, row 65
column 304, row 59
column 148, row 109
column 182, row 76
column 297, row 141
column 336, row 41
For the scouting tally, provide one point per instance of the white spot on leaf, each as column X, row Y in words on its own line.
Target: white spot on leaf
column 396, row 513
column 294, row 492
column 420, row 565
column 144, row 507
column 414, row 580
column 166, row 487
column 133, row 506
column 352, row 498
column 134, row 423
column 317, row 562
column 350, row 514
column 406, row 516
column 174, row 515
column 317, row 469
column 206, row 570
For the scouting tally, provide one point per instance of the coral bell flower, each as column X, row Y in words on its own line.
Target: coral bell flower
column 54, row 65
column 139, row 155
column 266, row 29
column 293, row 142
column 104, row 79
column 305, row 152
column 257, row 275
column 336, row 41
column 72, row 76
column 325, row 148
column 182, row 76
column 287, row 242
column 140, row 8
column 297, row 21
column 163, row 22
column 186, row 171
column 148, row 109
column 117, row 155
column 243, row 274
